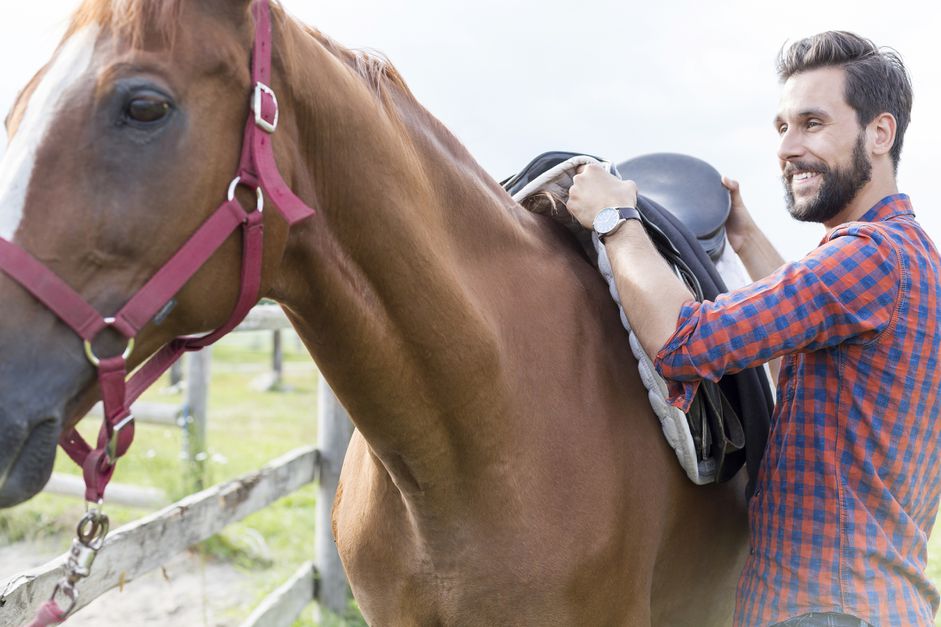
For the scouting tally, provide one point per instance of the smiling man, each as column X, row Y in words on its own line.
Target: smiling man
column 849, row 484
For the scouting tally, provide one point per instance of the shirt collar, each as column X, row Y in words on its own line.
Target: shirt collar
column 889, row 207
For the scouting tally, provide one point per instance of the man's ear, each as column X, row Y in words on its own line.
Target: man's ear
column 882, row 133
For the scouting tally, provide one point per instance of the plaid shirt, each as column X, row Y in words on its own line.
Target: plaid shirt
column 848, row 487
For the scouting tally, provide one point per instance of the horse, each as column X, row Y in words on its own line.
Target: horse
column 505, row 466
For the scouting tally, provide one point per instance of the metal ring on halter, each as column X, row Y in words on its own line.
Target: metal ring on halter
column 93, row 358
column 259, row 205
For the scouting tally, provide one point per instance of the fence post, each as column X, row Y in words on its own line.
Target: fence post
column 176, row 372
column 277, row 360
column 195, row 413
column 333, row 435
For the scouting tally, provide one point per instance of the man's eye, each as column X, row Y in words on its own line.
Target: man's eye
column 782, row 129
column 813, row 123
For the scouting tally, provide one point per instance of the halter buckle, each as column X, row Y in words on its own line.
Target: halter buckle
column 260, row 121
column 111, row 450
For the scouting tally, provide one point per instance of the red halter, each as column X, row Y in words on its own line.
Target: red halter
column 257, row 171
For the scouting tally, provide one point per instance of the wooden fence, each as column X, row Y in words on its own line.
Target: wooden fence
column 146, row 544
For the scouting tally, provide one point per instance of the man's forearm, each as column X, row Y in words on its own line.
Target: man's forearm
column 758, row 254
column 651, row 293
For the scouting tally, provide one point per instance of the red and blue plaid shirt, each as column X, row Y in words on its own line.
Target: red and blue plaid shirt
column 848, row 488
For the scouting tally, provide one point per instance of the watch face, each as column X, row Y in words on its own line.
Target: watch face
column 606, row 220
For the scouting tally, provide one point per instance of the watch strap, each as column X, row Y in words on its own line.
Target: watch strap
column 628, row 213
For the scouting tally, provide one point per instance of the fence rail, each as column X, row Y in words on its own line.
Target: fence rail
column 141, row 546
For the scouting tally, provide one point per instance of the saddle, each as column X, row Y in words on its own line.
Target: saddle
column 728, row 423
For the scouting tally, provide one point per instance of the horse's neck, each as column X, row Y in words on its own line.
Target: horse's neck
column 389, row 283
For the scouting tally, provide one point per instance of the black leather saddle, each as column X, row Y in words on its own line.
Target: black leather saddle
column 729, row 421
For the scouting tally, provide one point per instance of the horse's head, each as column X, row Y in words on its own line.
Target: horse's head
column 119, row 149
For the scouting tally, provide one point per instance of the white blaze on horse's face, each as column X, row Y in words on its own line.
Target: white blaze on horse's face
column 16, row 169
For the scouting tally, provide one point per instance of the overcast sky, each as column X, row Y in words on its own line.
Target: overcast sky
column 513, row 78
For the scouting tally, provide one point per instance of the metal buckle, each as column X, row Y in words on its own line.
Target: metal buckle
column 260, row 121
column 112, row 448
column 90, row 353
column 259, row 203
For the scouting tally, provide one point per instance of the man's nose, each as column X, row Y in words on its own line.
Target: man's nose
column 790, row 146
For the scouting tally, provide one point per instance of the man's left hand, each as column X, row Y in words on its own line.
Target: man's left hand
column 593, row 189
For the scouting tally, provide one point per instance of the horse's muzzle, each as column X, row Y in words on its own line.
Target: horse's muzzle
column 26, row 458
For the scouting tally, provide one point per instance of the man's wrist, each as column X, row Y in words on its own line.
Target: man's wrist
column 610, row 220
column 630, row 228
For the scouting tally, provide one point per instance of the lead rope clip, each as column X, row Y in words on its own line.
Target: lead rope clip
column 90, row 536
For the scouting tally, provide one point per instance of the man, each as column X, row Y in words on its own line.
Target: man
column 848, row 488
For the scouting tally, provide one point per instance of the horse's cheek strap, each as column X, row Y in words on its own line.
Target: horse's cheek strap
column 258, row 165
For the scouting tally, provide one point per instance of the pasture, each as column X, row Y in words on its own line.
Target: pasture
column 246, row 428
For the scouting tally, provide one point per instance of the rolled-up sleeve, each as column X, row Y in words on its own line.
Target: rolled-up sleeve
column 843, row 291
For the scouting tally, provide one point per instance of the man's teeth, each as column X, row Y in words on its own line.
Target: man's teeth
column 803, row 176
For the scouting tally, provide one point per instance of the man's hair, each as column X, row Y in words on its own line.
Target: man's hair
column 876, row 79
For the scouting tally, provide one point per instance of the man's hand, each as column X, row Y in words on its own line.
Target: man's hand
column 593, row 189
column 752, row 246
column 740, row 226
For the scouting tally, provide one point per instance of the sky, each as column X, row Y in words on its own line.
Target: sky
column 513, row 78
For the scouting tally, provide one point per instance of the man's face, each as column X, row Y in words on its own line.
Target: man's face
column 823, row 154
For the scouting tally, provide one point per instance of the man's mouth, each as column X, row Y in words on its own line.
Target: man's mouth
column 804, row 177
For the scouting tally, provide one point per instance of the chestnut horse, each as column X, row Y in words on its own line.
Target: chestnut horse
column 506, row 467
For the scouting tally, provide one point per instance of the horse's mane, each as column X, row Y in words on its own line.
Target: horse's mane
column 372, row 66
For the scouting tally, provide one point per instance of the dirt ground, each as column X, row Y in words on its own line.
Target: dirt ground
column 189, row 591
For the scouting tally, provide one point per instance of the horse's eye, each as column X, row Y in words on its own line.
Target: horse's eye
column 147, row 109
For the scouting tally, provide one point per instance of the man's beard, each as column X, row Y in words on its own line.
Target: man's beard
column 837, row 190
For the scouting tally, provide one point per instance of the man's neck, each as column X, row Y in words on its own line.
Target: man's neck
column 875, row 190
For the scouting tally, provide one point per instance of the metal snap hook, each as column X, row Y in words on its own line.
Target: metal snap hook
column 92, row 529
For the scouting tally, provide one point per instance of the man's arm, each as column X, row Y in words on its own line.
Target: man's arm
column 656, row 295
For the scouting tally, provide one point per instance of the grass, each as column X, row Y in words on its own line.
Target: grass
column 247, row 428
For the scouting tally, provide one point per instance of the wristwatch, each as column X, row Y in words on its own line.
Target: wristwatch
column 610, row 219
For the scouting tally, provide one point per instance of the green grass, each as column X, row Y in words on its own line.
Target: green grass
column 246, row 429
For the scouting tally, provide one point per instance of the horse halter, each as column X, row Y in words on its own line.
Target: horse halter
column 257, row 171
